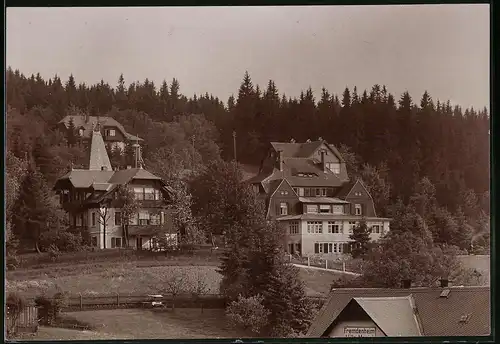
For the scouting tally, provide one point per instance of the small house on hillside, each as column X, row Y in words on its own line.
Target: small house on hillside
column 89, row 197
column 112, row 132
column 410, row 312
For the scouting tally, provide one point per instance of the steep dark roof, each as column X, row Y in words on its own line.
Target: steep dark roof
column 438, row 316
column 125, row 176
column 303, row 150
column 345, row 189
column 85, row 178
column 79, row 122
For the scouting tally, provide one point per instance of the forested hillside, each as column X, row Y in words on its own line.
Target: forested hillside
column 400, row 147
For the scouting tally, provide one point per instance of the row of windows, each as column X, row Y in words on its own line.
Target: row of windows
column 142, row 218
column 329, row 247
column 148, row 194
column 333, row 166
column 316, row 227
column 324, row 209
column 313, row 192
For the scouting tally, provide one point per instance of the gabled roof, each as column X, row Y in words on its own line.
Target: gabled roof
column 303, row 150
column 85, row 178
column 79, row 122
column 438, row 316
column 125, row 176
column 345, row 189
column 393, row 315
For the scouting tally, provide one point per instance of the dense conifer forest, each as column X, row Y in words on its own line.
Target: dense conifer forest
column 401, row 148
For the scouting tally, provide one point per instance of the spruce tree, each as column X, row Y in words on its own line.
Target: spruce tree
column 71, row 133
column 361, row 237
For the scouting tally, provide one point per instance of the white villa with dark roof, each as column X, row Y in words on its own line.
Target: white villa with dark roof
column 306, row 187
column 88, row 196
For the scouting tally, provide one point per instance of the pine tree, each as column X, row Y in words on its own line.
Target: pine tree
column 361, row 239
column 34, row 212
column 346, row 98
column 71, row 133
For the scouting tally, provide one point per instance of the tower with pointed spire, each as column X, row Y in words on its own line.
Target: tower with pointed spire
column 99, row 159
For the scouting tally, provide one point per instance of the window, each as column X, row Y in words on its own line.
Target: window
column 139, row 193
column 327, row 247
column 283, row 208
column 357, row 209
column 294, row 227
column 112, row 132
column 338, row 209
column 157, row 195
column 325, row 208
column 149, row 194
column 116, row 242
column 93, row 241
column 358, row 194
column 155, row 219
column 318, row 192
column 315, row 227
column 334, row 167
column 298, row 248
column 283, row 193
column 255, row 188
column 79, row 220
column 133, row 220
column 352, row 224
column 311, row 209
column 80, row 132
column 333, row 227
column 93, row 219
column 118, row 218
column 376, row 229
column 307, row 192
column 144, row 218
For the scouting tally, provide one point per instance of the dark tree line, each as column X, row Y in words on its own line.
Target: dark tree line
column 392, row 144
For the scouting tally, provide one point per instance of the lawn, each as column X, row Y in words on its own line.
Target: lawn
column 318, row 282
column 145, row 324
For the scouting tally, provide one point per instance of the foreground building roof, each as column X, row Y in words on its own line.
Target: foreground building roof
column 459, row 311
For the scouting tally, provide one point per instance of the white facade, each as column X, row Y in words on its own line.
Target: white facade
column 305, row 234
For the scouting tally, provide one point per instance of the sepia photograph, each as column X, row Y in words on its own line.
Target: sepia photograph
column 247, row 172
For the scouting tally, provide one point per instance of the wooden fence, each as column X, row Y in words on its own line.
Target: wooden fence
column 208, row 301
column 26, row 321
column 329, row 264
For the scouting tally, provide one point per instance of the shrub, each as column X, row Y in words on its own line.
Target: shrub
column 13, row 262
column 54, row 252
column 49, row 308
column 63, row 240
column 248, row 313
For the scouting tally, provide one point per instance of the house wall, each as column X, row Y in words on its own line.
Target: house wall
column 365, row 200
column 288, row 197
column 307, row 240
column 339, row 328
column 118, row 134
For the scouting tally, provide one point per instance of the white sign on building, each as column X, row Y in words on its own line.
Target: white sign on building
column 359, row 331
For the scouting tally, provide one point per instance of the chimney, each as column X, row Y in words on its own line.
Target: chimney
column 104, row 168
column 292, row 140
column 129, row 167
column 406, row 283
column 280, row 159
column 320, row 138
column 308, row 141
column 323, row 164
column 444, row 282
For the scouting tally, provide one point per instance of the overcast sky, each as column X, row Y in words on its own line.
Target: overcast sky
column 440, row 48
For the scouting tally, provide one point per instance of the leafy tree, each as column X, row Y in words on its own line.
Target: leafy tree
column 103, row 217
column 248, row 313
column 128, row 207
column 361, row 238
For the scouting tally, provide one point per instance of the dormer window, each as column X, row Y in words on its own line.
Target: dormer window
column 283, row 208
column 110, row 132
column 357, row 209
column 255, row 188
column 333, row 166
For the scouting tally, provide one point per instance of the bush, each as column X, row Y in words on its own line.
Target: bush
column 248, row 313
column 63, row 240
column 54, row 252
column 49, row 308
column 13, row 262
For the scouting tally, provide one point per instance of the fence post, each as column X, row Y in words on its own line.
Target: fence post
column 343, row 266
column 81, row 301
column 308, row 261
column 326, row 264
column 290, row 256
